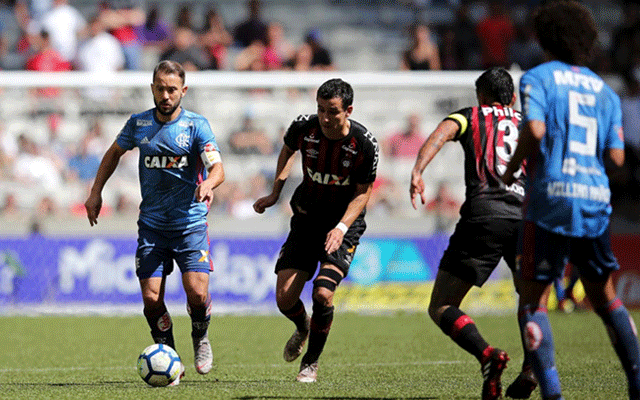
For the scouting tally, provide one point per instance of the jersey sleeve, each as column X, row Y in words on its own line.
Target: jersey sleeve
column 125, row 138
column 532, row 98
column 206, row 138
column 615, row 136
column 460, row 117
column 368, row 171
column 292, row 136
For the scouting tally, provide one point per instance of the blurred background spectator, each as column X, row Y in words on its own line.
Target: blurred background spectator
column 187, row 52
column 423, row 54
column 250, row 139
column 65, row 25
column 253, row 27
column 407, row 142
column 121, row 18
column 216, row 38
column 496, row 32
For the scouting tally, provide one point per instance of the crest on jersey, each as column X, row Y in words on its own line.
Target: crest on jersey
column 182, row 140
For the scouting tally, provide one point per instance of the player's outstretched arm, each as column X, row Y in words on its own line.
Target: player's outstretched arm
column 528, row 143
column 285, row 162
column 107, row 166
column 215, row 176
column 444, row 132
column 355, row 207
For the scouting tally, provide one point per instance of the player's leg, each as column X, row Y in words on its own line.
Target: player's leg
column 598, row 285
column 191, row 252
column 473, row 253
column 289, row 285
column 324, row 286
column 544, row 255
column 153, row 264
column 155, row 310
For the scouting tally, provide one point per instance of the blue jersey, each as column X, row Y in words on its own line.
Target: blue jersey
column 568, row 189
column 170, row 167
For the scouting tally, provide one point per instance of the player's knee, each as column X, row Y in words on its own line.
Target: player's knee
column 323, row 296
column 197, row 298
column 284, row 300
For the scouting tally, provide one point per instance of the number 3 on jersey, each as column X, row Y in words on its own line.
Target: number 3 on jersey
column 509, row 132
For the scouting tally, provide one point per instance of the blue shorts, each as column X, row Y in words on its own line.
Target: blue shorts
column 157, row 250
column 544, row 254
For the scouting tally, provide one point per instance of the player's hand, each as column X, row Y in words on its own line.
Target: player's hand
column 265, row 202
column 333, row 241
column 93, row 206
column 417, row 188
column 204, row 191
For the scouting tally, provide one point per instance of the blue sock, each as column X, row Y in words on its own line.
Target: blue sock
column 623, row 336
column 538, row 339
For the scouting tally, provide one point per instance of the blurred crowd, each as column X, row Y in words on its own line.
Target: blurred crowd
column 53, row 35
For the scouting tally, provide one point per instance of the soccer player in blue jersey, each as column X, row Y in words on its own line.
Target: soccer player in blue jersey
column 572, row 122
column 179, row 167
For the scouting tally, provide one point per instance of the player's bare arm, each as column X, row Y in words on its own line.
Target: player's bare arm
column 107, row 166
column 285, row 163
column 204, row 191
column 528, row 143
column 444, row 132
column 355, row 207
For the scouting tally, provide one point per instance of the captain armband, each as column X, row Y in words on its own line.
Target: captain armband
column 210, row 156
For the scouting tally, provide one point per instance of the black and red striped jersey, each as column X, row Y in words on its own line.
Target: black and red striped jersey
column 488, row 135
column 331, row 168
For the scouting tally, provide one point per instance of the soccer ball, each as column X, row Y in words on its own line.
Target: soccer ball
column 159, row 365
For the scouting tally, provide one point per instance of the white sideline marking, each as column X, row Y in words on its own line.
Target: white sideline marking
column 391, row 364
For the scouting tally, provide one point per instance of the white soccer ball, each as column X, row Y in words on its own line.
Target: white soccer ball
column 159, row 365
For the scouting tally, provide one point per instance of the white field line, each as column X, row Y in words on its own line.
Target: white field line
column 93, row 368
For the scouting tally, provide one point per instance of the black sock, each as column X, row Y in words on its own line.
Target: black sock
column 321, row 320
column 200, row 317
column 462, row 330
column 161, row 325
column 298, row 315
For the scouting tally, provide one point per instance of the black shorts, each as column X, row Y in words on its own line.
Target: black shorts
column 475, row 248
column 304, row 247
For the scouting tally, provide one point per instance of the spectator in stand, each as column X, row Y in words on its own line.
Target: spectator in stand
column 183, row 17
column 32, row 168
column 155, row 32
column 250, row 139
column 83, row 165
column 216, row 38
column 525, row 51
column 252, row 57
column 65, row 26
column 301, row 60
column 121, row 17
column 496, row 32
column 46, row 59
column 625, row 44
column 186, row 51
column 10, row 207
column 407, row 142
column 252, row 28
column 320, row 56
column 101, row 51
column 423, row 54
column 278, row 51
column 467, row 41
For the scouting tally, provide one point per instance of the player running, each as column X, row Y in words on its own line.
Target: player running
column 571, row 122
column 179, row 168
column 489, row 223
column 339, row 163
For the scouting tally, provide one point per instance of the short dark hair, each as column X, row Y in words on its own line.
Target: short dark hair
column 497, row 85
column 336, row 88
column 169, row 67
column 566, row 30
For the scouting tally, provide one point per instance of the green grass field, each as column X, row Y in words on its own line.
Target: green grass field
column 367, row 357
